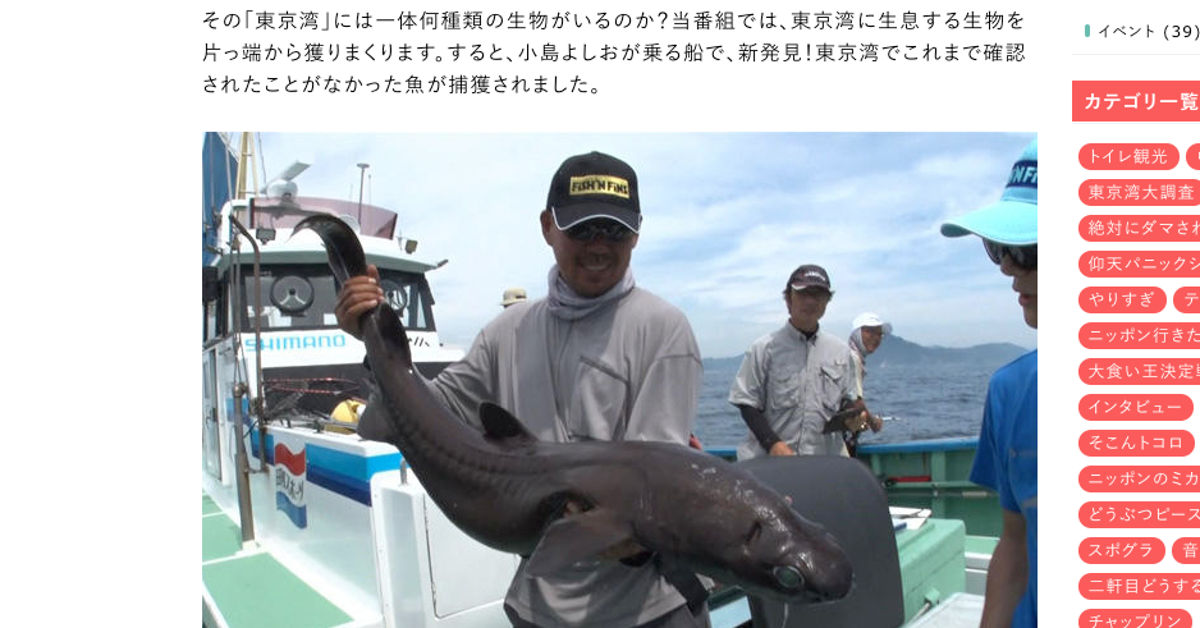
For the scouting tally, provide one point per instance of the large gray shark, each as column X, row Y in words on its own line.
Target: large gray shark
column 509, row 491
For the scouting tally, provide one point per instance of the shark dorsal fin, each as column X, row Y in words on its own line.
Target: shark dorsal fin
column 502, row 426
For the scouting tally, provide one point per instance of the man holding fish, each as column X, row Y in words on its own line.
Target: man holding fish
column 597, row 359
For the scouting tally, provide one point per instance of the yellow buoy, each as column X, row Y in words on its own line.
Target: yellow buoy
column 346, row 412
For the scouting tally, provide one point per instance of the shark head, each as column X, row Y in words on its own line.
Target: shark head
column 795, row 559
column 776, row 553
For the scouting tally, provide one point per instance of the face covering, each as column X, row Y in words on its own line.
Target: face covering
column 565, row 304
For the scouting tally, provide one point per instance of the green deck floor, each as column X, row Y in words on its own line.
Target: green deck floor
column 221, row 536
column 254, row 589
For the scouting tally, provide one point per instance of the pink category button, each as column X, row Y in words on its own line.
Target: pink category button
column 1140, row 335
column 1140, row 479
column 1193, row 156
column 1140, row 192
column 1157, row 514
column 1186, row 550
column 1187, row 299
column 1122, row 550
column 1135, row 407
column 1140, row 586
column 1130, row 371
column 1134, row 101
column 1124, row 299
column 1140, row 264
column 1140, row 228
column 1148, row 156
column 1135, row 617
column 1114, row 443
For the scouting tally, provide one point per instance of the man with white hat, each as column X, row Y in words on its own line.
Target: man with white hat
column 1007, row 456
column 868, row 332
column 513, row 296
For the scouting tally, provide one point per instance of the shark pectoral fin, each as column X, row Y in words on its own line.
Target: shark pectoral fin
column 502, row 426
column 375, row 422
column 576, row 537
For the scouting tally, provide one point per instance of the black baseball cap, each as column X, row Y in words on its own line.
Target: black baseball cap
column 809, row 276
column 591, row 186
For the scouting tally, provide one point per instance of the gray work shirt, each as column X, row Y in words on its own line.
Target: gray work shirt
column 798, row 383
column 629, row 371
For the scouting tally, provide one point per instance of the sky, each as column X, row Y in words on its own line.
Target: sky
column 726, row 218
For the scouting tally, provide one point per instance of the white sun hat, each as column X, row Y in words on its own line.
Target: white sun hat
column 871, row 319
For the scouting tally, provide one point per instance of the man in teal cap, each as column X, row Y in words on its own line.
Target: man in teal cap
column 1006, row 460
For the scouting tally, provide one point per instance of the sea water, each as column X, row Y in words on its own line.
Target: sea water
column 924, row 401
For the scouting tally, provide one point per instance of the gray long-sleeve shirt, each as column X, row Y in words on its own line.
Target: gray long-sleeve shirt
column 798, row 383
column 629, row 371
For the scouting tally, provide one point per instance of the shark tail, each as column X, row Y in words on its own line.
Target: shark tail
column 346, row 257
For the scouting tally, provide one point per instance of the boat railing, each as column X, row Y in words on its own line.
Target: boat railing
column 933, row 474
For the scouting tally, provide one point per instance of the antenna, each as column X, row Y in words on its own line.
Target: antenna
column 362, row 166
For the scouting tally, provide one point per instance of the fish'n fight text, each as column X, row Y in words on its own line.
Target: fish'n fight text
column 1024, row 174
column 599, row 184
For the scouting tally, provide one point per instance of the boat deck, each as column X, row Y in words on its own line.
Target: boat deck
column 250, row 588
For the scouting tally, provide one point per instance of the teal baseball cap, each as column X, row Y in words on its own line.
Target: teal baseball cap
column 1012, row 220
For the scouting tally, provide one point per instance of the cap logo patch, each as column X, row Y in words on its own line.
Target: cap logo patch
column 599, row 184
column 1024, row 175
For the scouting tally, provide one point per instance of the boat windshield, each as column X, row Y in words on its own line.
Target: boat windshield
column 303, row 296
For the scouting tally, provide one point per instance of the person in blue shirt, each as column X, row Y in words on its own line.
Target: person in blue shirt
column 1006, row 460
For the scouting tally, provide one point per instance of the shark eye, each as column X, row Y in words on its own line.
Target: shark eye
column 789, row 577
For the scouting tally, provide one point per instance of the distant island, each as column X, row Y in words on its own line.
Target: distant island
column 896, row 351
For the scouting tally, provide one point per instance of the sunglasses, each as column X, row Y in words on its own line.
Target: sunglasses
column 813, row 292
column 1022, row 256
column 609, row 230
